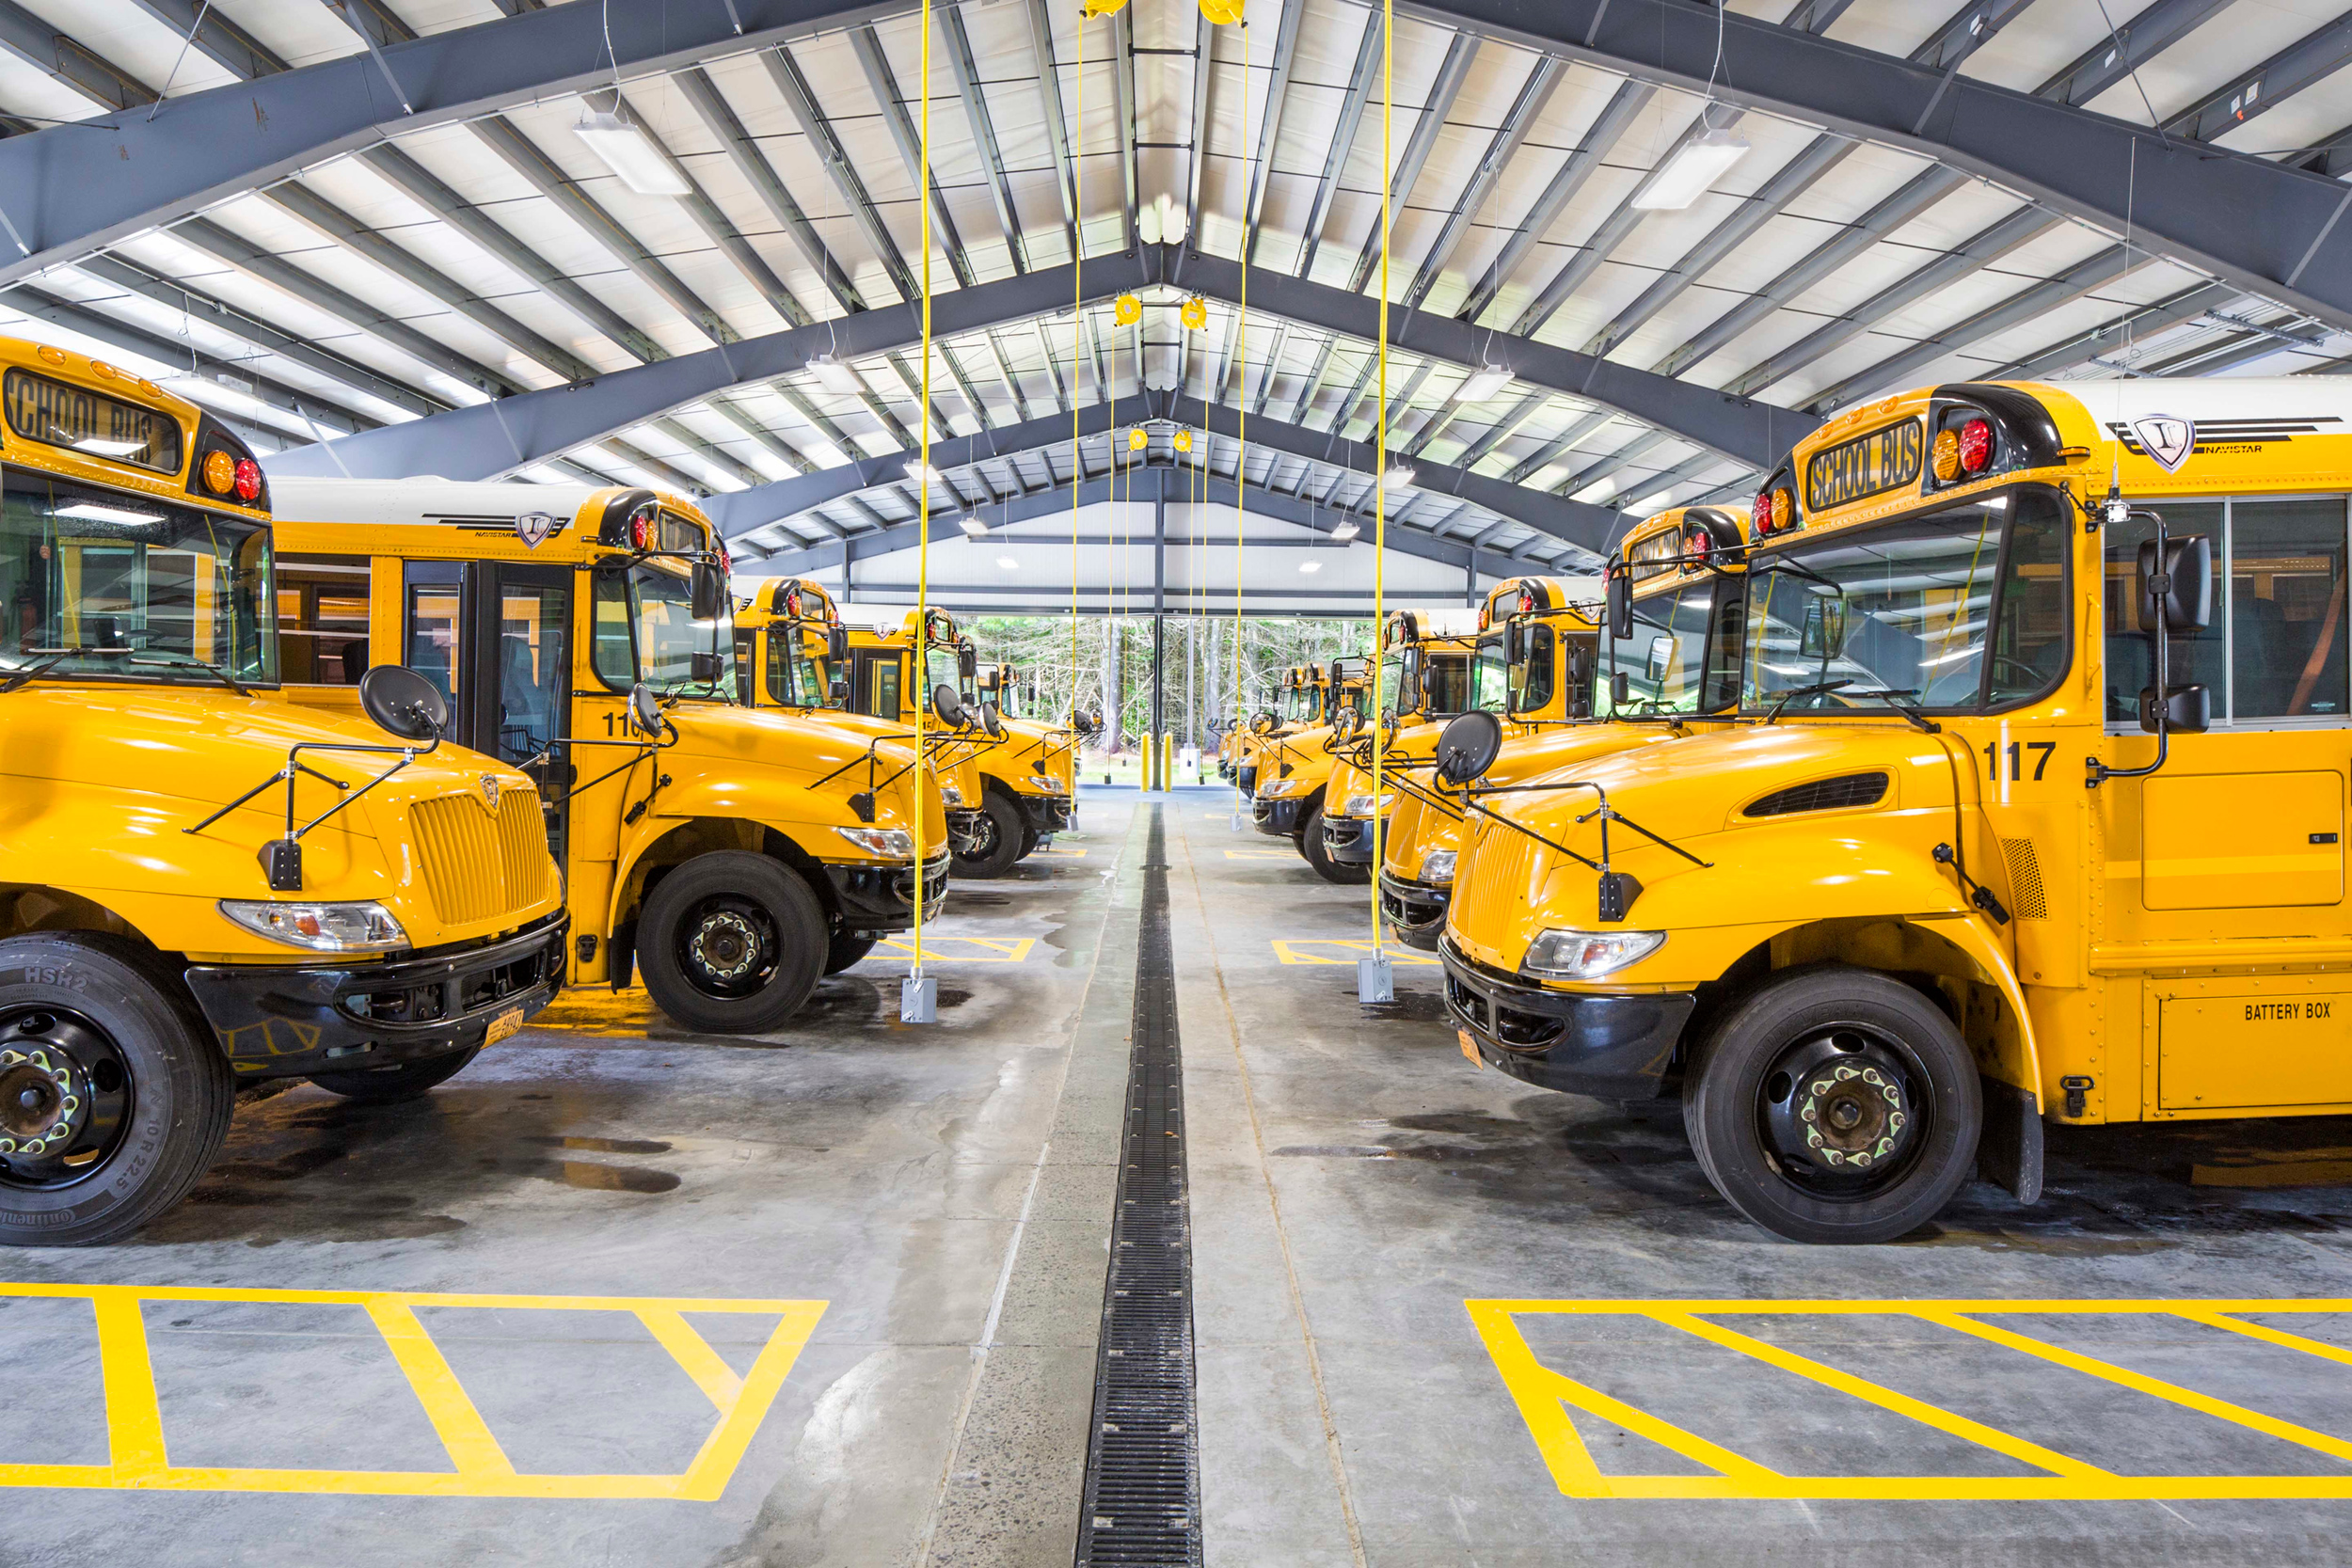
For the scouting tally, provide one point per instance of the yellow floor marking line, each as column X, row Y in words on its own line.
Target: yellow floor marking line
column 1056, row 850
column 138, row 1457
column 953, row 950
column 1341, row 950
column 1545, row 1397
column 1263, row 855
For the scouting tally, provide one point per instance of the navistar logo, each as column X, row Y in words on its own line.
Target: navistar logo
column 490, row 790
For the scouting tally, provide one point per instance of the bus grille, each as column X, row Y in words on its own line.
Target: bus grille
column 478, row 866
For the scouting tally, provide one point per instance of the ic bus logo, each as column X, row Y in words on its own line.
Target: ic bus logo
column 2166, row 437
column 490, row 790
column 532, row 529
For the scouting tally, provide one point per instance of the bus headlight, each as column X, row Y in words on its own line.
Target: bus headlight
column 363, row 928
column 1437, row 868
column 1361, row 805
column 1587, row 954
column 1280, row 787
column 950, row 794
column 890, row 843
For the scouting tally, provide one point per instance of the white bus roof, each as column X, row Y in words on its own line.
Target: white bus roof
column 423, row 501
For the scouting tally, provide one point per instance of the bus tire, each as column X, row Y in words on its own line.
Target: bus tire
column 732, row 942
column 1835, row 1105
column 390, row 1086
column 151, row 1091
column 996, row 841
column 845, row 950
column 1310, row 845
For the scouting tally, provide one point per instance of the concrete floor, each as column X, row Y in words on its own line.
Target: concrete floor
column 945, row 1192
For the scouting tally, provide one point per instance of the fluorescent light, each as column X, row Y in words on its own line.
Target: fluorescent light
column 1007, row 562
column 1310, row 566
column 923, row 473
column 1484, row 383
column 972, row 525
column 90, row 512
column 1345, row 532
column 629, row 153
column 1685, row 177
column 835, row 376
column 1397, row 477
column 1657, row 502
column 1597, row 492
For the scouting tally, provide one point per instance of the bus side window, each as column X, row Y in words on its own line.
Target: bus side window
column 885, row 705
column 2130, row 652
column 431, row 647
column 321, row 619
column 2286, row 577
column 1533, row 677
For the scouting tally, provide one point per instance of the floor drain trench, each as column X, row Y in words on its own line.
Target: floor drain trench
column 1143, row 1469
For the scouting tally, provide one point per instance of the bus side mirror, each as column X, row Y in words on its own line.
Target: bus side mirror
column 1620, row 689
column 967, row 663
column 1513, row 645
column 404, row 702
column 1469, row 746
column 948, row 706
column 2181, row 592
column 991, row 720
column 2186, row 708
column 704, row 667
column 709, row 592
column 836, row 693
column 837, row 645
column 644, row 711
column 1620, row 604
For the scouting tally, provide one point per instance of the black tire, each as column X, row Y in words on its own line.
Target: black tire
column 154, row 1091
column 390, row 1086
column 996, row 840
column 1029, row 841
column 732, row 942
column 1310, row 845
column 845, row 950
column 1789, row 1063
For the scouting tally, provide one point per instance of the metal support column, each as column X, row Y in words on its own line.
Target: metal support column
column 849, row 555
column 1159, row 625
column 1470, row 580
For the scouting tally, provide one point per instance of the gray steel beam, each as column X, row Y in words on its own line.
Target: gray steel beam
column 1056, row 132
column 2149, row 320
column 866, row 44
column 1203, row 57
column 39, row 45
column 1452, row 72
column 2249, row 95
column 214, row 36
column 1628, row 101
column 1534, row 96
column 2153, row 30
column 786, row 74
column 1270, row 126
column 1360, row 81
column 1502, row 429
column 720, row 120
column 1565, row 443
column 1123, row 105
column 484, row 441
column 967, row 75
column 1736, row 426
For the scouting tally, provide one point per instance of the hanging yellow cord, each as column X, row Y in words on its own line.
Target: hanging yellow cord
column 1077, row 325
column 1241, row 423
column 923, row 492
column 1380, row 459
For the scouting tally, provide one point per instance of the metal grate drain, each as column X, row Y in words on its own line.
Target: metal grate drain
column 1143, row 1471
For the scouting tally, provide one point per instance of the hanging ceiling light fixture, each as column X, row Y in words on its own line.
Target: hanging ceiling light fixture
column 1695, row 166
column 1482, row 383
column 971, row 524
column 1310, row 566
column 1345, row 532
column 923, row 473
column 836, row 375
column 1397, row 477
column 628, row 152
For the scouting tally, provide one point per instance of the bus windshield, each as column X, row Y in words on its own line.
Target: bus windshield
column 1445, row 684
column 646, row 632
column 794, row 677
column 107, row 585
column 1302, row 704
column 943, row 668
column 1962, row 608
column 1664, row 657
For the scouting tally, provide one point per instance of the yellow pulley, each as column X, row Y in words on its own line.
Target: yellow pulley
column 1183, row 441
column 1103, row 7
column 1196, row 313
column 1225, row 13
column 1128, row 310
column 1138, row 439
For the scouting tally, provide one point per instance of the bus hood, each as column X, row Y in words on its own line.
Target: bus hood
column 803, row 751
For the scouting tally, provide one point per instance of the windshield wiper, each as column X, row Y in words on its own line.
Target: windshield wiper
column 1796, row 569
column 175, row 660
column 1892, row 696
column 1819, row 689
column 50, row 658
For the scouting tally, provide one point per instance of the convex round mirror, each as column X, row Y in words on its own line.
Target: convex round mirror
column 949, row 706
column 1263, row 721
column 644, row 710
column 1468, row 747
column 404, row 702
column 991, row 720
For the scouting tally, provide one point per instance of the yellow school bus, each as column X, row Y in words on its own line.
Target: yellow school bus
column 2036, row 811
column 1531, row 667
column 201, row 885
column 1292, row 766
column 731, row 856
column 1426, row 678
column 1651, row 684
column 792, row 652
column 1029, row 776
column 1038, row 771
column 1310, row 698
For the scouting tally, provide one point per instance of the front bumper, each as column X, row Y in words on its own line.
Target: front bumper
column 1348, row 839
column 876, row 896
column 964, row 829
column 1277, row 818
column 277, row 1021
column 1415, row 910
column 1577, row 1042
column 1048, row 814
column 1248, row 778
